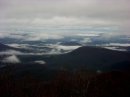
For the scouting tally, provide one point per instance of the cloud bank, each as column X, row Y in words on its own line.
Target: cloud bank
column 63, row 16
column 10, row 52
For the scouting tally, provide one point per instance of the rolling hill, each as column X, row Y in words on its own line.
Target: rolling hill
column 91, row 58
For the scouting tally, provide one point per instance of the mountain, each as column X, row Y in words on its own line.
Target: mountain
column 91, row 58
column 84, row 58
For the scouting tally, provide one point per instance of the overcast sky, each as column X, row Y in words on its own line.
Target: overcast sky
column 45, row 16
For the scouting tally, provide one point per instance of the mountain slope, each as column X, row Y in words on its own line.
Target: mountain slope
column 92, row 58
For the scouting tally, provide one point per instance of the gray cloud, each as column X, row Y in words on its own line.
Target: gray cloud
column 23, row 15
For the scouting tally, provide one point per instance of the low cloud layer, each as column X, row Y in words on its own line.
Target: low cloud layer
column 10, row 52
column 119, row 44
column 40, row 62
column 11, row 59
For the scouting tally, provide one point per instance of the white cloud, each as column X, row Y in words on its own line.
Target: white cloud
column 11, row 59
column 3, row 35
column 10, row 34
column 62, row 47
column 40, row 62
column 11, row 52
column 115, row 48
column 86, row 40
column 31, row 36
column 67, row 47
column 88, row 34
column 15, row 45
column 42, row 36
column 118, row 44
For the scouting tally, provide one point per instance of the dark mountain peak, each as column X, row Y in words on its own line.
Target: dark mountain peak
column 88, row 49
column 93, row 58
column 95, row 50
column 92, row 50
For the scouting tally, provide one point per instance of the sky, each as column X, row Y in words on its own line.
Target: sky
column 57, row 18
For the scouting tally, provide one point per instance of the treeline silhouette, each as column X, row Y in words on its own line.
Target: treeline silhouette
column 79, row 84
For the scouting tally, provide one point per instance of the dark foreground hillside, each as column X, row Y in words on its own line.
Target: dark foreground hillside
column 84, row 72
column 66, row 84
